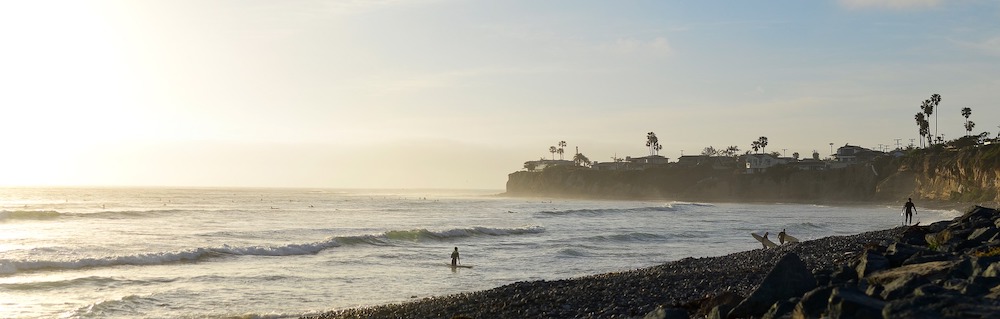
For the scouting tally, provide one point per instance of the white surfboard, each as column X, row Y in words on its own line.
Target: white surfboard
column 764, row 241
column 790, row 239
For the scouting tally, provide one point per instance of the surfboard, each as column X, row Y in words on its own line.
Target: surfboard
column 790, row 239
column 459, row 266
column 766, row 242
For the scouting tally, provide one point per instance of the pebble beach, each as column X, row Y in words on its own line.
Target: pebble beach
column 680, row 284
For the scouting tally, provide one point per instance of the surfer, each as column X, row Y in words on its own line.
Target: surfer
column 455, row 258
column 781, row 236
column 909, row 209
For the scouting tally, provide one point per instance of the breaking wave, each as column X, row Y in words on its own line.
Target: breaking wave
column 8, row 267
column 612, row 211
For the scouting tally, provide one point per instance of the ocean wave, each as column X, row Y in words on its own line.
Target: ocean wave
column 610, row 211
column 676, row 204
column 96, row 281
column 628, row 237
column 8, row 267
column 807, row 225
column 28, row 215
column 51, row 214
column 421, row 234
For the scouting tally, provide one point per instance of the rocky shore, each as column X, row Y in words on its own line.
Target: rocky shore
column 949, row 269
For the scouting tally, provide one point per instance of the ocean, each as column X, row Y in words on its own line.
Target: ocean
column 284, row 253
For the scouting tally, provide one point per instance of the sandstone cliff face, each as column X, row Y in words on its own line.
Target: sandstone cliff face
column 970, row 175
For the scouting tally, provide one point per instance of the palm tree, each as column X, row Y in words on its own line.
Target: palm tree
column 562, row 145
column 710, row 151
column 755, row 145
column 653, row 143
column 928, row 108
column 553, row 150
column 560, row 151
column 763, row 143
column 966, row 111
column 732, row 150
column 969, row 125
column 923, row 128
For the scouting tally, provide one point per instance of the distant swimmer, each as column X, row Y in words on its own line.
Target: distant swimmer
column 909, row 209
column 455, row 258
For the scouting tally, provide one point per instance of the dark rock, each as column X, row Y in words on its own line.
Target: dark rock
column 902, row 286
column 728, row 298
column 823, row 276
column 789, row 278
column 941, row 306
column 965, row 287
column 977, row 217
column 927, row 307
column 851, row 303
column 926, row 256
column 813, row 303
column 667, row 313
column 930, row 290
column 914, row 235
column 983, row 234
column 938, row 226
column 900, row 252
column 843, row 274
column 781, row 308
column 871, row 262
column 719, row 312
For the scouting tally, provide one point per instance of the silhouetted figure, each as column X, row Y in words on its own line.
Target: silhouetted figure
column 781, row 236
column 455, row 258
column 909, row 209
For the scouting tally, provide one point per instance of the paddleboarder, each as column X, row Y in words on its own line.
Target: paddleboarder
column 909, row 209
column 455, row 258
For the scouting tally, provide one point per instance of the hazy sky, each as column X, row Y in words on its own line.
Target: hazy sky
column 457, row 94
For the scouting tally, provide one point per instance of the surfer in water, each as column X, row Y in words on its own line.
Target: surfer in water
column 909, row 209
column 781, row 236
column 454, row 257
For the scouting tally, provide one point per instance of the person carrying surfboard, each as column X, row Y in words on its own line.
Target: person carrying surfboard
column 455, row 258
column 909, row 209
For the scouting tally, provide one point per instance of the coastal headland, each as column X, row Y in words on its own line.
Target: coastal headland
column 957, row 177
column 948, row 269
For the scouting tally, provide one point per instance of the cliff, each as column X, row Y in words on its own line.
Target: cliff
column 970, row 175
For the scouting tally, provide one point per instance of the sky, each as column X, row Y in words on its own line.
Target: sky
column 457, row 94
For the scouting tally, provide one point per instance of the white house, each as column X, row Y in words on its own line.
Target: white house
column 759, row 163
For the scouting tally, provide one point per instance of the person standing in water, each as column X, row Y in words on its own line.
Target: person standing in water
column 455, row 258
column 909, row 209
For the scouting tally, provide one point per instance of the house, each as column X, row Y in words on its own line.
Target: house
column 609, row 166
column 539, row 165
column 639, row 163
column 759, row 163
column 852, row 154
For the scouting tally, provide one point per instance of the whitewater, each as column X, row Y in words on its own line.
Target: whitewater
column 285, row 253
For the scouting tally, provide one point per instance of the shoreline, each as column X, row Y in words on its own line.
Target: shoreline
column 682, row 283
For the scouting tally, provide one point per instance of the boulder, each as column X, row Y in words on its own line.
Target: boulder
column 851, row 303
column 983, row 234
column 813, row 303
column 902, row 286
column 667, row 313
column 929, row 270
column 781, row 309
column 965, row 287
column 871, row 262
column 899, row 252
column 789, row 278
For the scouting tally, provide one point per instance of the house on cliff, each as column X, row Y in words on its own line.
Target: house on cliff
column 759, row 163
column 851, row 154
column 640, row 163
